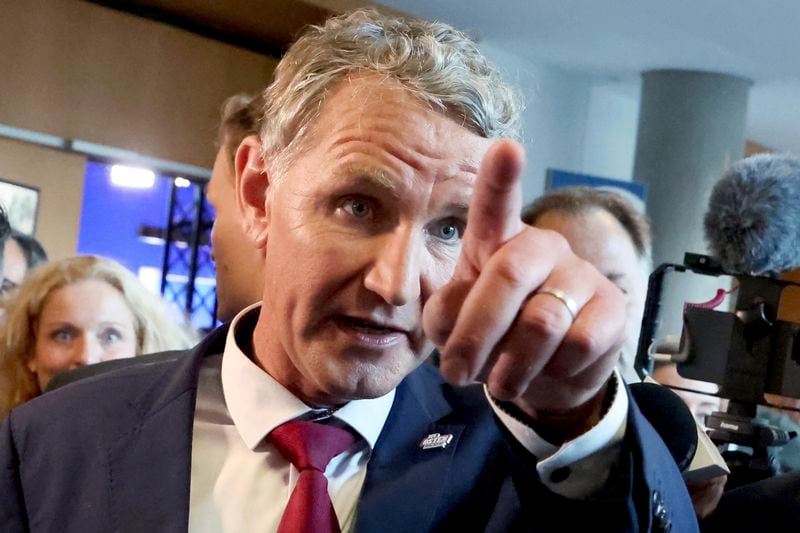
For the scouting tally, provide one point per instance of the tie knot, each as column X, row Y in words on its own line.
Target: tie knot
column 310, row 444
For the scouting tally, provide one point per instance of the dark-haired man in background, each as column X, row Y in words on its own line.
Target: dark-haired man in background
column 22, row 253
column 239, row 264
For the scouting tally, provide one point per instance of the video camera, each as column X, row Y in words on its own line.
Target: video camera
column 751, row 349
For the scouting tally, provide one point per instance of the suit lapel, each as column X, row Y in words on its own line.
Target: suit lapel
column 400, row 466
column 150, row 461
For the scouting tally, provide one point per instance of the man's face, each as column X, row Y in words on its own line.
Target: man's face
column 597, row 237
column 363, row 227
column 238, row 263
column 14, row 265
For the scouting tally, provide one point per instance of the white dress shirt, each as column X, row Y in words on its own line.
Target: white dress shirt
column 240, row 483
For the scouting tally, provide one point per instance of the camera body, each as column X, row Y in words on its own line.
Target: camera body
column 748, row 350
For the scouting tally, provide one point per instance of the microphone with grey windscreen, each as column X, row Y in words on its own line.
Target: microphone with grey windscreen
column 753, row 220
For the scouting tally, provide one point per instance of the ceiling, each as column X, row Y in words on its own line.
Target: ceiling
column 621, row 38
column 265, row 26
column 746, row 38
column 615, row 39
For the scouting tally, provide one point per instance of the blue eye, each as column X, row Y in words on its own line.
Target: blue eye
column 62, row 335
column 110, row 335
column 357, row 207
column 448, row 230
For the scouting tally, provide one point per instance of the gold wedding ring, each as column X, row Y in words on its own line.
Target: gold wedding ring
column 565, row 299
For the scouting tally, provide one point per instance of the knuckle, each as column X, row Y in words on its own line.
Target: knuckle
column 464, row 346
column 544, row 321
column 592, row 377
column 511, row 273
column 587, row 343
column 440, row 335
column 583, row 380
column 590, row 271
column 503, row 390
column 556, row 242
column 547, row 239
column 605, row 286
column 582, row 269
column 560, row 244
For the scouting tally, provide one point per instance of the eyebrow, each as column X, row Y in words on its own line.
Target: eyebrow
column 355, row 173
column 358, row 173
column 56, row 323
column 458, row 209
column 61, row 323
column 114, row 323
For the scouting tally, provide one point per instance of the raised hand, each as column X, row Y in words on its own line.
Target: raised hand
column 506, row 317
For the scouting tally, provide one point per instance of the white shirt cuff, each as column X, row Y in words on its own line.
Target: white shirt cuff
column 579, row 468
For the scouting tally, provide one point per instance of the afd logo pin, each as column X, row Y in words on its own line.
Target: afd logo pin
column 436, row 440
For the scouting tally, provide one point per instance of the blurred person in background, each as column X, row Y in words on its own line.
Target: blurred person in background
column 73, row 312
column 239, row 264
column 21, row 253
column 5, row 231
column 32, row 249
column 607, row 230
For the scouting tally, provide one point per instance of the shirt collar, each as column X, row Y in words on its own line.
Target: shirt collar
column 258, row 403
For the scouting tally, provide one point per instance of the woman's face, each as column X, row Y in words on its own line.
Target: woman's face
column 81, row 324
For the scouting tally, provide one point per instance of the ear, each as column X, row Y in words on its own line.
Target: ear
column 252, row 185
column 31, row 364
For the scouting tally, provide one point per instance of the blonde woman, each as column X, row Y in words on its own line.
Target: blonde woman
column 73, row 312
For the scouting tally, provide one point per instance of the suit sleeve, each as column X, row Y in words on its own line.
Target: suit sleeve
column 589, row 458
column 642, row 488
column 12, row 503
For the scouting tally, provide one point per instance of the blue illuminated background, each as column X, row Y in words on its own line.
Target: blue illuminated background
column 111, row 218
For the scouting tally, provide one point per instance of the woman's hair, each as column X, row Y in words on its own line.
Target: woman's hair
column 156, row 330
column 437, row 63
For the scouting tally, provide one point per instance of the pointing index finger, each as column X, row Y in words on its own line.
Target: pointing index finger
column 494, row 212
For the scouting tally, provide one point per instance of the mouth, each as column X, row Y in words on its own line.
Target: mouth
column 371, row 333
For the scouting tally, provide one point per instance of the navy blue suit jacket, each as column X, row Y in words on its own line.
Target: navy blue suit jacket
column 112, row 453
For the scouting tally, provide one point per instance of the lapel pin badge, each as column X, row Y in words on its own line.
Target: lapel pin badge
column 435, row 440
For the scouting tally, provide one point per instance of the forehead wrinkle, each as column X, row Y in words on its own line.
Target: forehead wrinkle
column 389, row 140
column 394, row 150
column 468, row 167
column 384, row 121
column 417, row 152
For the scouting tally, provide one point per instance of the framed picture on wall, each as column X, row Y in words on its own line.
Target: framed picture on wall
column 21, row 203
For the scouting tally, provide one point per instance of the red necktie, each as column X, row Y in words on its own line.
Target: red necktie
column 310, row 446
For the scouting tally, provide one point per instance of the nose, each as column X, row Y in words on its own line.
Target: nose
column 395, row 272
column 87, row 352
